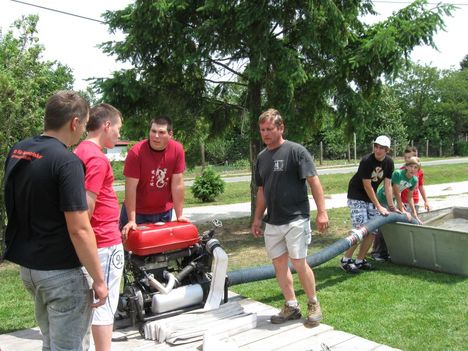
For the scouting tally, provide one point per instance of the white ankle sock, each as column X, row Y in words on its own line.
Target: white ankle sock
column 292, row 303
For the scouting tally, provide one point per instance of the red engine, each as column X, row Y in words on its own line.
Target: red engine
column 149, row 239
column 168, row 267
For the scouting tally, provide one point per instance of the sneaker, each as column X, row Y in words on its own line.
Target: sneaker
column 287, row 313
column 379, row 258
column 364, row 266
column 314, row 314
column 348, row 266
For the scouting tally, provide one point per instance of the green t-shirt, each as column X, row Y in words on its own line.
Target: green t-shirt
column 398, row 177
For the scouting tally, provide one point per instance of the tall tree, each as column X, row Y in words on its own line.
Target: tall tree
column 302, row 57
column 418, row 94
column 453, row 106
column 464, row 63
column 26, row 82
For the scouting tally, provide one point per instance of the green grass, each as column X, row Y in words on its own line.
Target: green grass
column 403, row 307
column 16, row 305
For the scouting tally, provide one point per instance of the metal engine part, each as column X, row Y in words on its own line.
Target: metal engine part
column 167, row 271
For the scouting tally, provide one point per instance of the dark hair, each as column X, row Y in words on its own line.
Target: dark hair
column 411, row 149
column 162, row 120
column 62, row 107
column 101, row 113
column 273, row 116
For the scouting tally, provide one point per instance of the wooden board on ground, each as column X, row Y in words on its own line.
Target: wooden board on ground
column 292, row 335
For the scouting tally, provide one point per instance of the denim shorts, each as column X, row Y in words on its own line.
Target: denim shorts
column 62, row 300
column 293, row 238
column 361, row 212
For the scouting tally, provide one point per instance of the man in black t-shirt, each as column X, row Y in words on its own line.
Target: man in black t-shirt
column 48, row 232
column 362, row 199
column 283, row 171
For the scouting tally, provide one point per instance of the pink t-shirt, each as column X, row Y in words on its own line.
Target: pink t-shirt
column 154, row 170
column 99, row 179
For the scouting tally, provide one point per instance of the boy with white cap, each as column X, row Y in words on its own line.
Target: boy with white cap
column 362, row 199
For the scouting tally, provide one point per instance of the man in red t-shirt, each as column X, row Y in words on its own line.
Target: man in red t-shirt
column 154, row 182
column 411, row 151
column 103, row 129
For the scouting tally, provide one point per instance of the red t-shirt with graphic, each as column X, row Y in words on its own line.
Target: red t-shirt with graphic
column 99, row 179
column 154, row 170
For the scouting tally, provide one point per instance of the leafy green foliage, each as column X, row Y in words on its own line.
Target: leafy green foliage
column 208, row 186
column 26, row 82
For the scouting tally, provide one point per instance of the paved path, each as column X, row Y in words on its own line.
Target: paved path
column 440, row 196
column 321, row 171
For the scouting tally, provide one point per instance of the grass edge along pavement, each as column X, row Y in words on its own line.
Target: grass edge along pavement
column 332, row 184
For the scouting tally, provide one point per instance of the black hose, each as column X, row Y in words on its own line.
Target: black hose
column 253, row 274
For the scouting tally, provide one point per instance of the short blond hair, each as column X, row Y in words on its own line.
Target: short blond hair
column 413, row 161
column 271, row 115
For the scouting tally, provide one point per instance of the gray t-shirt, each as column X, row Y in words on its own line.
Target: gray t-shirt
column 282, row 173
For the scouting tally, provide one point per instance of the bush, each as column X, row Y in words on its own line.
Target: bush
column 207, row 186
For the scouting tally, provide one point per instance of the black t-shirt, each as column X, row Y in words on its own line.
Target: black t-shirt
column 43, row 179
column 373, row 169
column 282, row 173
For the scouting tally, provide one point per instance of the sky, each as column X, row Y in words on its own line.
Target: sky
column 73, row 41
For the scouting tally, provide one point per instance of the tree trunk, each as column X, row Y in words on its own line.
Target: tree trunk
column 255, row 109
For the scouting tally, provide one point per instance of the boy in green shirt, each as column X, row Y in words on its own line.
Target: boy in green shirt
column 405, row 178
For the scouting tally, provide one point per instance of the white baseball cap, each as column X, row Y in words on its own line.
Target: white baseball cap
column 383, row 140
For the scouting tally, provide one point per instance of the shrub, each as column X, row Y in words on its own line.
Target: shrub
column 207, row 186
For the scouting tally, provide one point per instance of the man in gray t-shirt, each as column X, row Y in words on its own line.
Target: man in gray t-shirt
column 283, row 171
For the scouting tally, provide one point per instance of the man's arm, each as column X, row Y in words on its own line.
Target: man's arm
column 91, row 200
column 130, row 204
column 84, row 242
column 371, row 194
column 178, row 194
column 396, row 192
column 317, row 193
column 260, row 207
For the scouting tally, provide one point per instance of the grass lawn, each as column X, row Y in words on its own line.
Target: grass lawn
column 406, row 308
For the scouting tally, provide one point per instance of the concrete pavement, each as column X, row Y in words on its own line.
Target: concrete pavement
column 440, row 196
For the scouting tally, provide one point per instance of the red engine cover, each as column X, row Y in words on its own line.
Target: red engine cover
column 153, row 238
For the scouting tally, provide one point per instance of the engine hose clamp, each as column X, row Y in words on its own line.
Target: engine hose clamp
column 211, row 245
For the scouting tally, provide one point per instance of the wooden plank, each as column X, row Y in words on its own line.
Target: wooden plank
column 329, row 338
column 282, row 337
column 27, row 339
column 291, row 335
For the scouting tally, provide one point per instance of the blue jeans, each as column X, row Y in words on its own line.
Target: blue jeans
column 62, row 300
column 144, row 218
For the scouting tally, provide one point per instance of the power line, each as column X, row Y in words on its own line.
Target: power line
column 59, row 11
column 102, row 22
